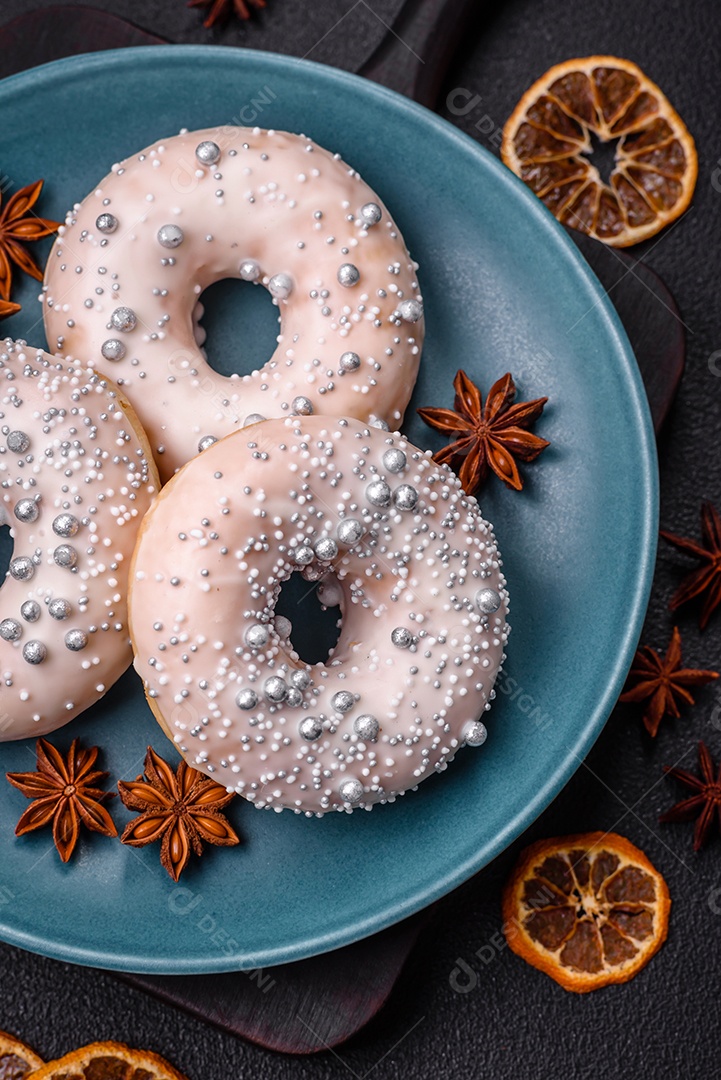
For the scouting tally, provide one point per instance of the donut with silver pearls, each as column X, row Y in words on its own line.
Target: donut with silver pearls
column 393, row 540
column 125, row 278
column 76, row 477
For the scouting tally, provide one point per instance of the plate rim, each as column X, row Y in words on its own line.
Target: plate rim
column 315, row 943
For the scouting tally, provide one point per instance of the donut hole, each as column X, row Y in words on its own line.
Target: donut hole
column 6, row 551
column 240, row 322
column 315, row 630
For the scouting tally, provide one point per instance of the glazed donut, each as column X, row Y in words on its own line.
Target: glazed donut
column 129, row 265
column 408, row 557
column 77, row 478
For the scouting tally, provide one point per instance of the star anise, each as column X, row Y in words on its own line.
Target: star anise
column 221, row 10
column 487, row 437
column 7, row 308
column 19, row 225
column 63, row 791
column 661, row 682
column 707, row 578
column 705, row 800
column 181, row 808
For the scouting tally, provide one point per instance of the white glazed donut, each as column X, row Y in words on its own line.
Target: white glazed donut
column 423, row 600
column 125, row 274
column 77, row 477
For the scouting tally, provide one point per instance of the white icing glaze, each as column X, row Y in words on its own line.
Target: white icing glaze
column 76, row 479
column 285, row 207
column 211, row 557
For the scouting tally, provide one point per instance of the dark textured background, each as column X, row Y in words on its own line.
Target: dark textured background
column 515, row 1022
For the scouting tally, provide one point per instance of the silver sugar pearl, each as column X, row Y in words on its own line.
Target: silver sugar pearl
column 207, row 152
column 303, row 555
column 249, row 270
column 325, row 549
column 10, row 630
column 349, row 531
column 275, row 689
column 22, row 568
column 351, row 791
column 30, row 611
column 65, row 555
column 378, row 493
column 27, row 510
column 348, row 275
column 252, row 418
column 112, row 349
column 59, row 609
column 366, row 727
column 34, row 652
column 124, row 319
column 370, row 214
column 313, row 572
column 343, row 701
column 405, row 497
column 310, row 728
column 394, row 460
column 301, row 680
column 106, row 223
column 474, row 733
column 66, row 525
column 283, row 627
column 377, row 422
column 256, row 636
column 487, row 601
column 294, row 698
column 280, row 286
column 302, row 406
column 350, row 361
column 18, row 442
column 246, row 700
column 170, row 236
column 205, row 442
column 410, row 310
column 76, row 640
column 401, row 637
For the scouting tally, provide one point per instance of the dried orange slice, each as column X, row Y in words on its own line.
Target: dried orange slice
column 588, row 910
column 16, row 1059
column 107, row 1061
column 548, row 136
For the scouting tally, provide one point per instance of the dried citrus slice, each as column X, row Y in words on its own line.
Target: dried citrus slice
column 548, row 136
column 16, row 1059
column 107, row 1061
column 588, row 910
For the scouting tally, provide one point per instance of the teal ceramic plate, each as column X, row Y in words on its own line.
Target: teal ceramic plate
column 504, row 290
